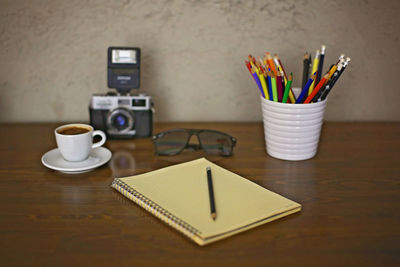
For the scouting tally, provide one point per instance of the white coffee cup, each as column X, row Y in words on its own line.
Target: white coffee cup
column 75, row 141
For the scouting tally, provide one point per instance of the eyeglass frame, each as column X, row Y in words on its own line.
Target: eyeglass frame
column 191, row 132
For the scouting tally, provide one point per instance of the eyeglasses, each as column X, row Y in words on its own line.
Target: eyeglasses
column 174, row 141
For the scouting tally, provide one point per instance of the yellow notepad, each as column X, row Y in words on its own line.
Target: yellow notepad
column 178, row 195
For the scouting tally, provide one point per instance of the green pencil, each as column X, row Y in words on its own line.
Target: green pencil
column 274, row 90
column 287, row 88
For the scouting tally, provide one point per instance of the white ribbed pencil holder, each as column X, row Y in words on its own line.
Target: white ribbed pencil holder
column 292, row 130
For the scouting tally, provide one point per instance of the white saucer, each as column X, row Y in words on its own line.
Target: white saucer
column 98, row 156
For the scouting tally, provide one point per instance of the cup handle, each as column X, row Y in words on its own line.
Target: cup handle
column 103, row 138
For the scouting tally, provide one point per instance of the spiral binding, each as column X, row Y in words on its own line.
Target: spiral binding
column 155, row 209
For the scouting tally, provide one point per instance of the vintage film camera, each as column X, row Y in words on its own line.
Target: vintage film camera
column 120, row 114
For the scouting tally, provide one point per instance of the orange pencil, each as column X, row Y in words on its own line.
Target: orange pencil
column 316, row 89
column 270, row 62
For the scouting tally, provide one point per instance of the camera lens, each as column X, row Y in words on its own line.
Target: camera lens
column 120, row 120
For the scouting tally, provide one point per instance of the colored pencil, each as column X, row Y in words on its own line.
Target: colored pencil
column 316, row 89
column 251, row 59
column 274, row 89
column 320, row 64
column 306, row 69
column 328, row 85
column 281, row 67
column 317, row 97
column 255, row 76
column 332, row 71
column 325, row 94
column 279, row 87
column 287, row 88
column 248, row 65
column 291, row 99
column 279, row 70
column 270, row 88
column 263, row 84
column 314, row 69
column 304, row 92
column 275, row 85
column 270, row 62
column 249, row 68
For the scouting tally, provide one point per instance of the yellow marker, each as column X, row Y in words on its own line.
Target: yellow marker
column 314, row 69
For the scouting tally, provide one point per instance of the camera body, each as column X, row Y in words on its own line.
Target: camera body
column 122, row 116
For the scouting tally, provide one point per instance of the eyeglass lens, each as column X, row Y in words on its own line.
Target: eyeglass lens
column 216, row 143
column 172, row 142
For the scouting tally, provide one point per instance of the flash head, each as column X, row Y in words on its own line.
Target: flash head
column 123, row 56
column 123, row 71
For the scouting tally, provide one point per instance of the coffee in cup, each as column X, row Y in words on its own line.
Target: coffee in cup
column 72, row 130
column 75, row 141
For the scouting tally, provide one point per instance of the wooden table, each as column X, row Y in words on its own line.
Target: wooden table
column 350, row 195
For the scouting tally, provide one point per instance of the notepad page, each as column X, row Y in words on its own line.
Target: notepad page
column 183, row 191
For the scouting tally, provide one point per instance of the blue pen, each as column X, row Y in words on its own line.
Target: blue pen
column 304, row 92
column 270, row 88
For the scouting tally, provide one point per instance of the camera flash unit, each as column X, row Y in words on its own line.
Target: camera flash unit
column 123, row 68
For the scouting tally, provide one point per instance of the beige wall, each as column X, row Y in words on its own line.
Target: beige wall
column 53, row 54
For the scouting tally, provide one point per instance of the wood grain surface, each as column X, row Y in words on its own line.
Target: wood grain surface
column 350, row 195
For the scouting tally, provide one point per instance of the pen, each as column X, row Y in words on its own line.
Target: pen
column 211, row 194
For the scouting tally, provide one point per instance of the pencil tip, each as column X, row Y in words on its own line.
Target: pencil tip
column 214, row 216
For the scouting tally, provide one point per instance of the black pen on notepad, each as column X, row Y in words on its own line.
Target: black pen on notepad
column 211, row 194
